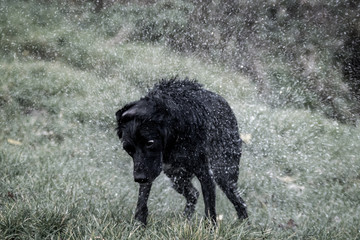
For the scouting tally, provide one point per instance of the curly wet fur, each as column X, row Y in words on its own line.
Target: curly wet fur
column 196, row 134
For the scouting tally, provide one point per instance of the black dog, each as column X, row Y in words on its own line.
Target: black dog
column 184, row 130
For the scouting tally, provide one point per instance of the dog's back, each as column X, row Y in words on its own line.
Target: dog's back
column 205, row 122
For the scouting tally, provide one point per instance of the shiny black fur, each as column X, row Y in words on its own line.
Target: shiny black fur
column 184, row 130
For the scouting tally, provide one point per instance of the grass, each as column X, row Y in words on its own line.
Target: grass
column 63, row 174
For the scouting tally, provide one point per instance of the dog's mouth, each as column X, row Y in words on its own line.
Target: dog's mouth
column 141, row 178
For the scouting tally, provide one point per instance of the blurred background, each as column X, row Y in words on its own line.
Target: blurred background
column 302, row 54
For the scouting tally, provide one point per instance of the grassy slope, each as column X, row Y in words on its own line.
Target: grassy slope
column 67, row 177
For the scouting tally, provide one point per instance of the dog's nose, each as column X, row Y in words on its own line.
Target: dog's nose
column 140, row 178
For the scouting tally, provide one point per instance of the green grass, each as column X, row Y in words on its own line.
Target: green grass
column 63, row 174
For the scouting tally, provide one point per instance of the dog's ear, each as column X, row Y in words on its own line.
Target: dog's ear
column 120, row 113
column 120, row 117
column 139, row 109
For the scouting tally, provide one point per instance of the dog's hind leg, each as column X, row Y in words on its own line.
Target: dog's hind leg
column 230, row 189
column 181, row 182
column 208, row 190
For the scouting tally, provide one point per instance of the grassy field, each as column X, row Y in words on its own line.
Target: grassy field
column 63, row 174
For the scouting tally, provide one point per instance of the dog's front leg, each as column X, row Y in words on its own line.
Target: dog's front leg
column 208, row 190
column 141, row 212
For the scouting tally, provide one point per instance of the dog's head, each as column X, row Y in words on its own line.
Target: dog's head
column 143, row 134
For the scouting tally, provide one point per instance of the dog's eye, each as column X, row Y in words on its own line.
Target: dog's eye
column 150, row 143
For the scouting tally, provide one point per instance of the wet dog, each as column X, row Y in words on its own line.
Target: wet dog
column 184, row 130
